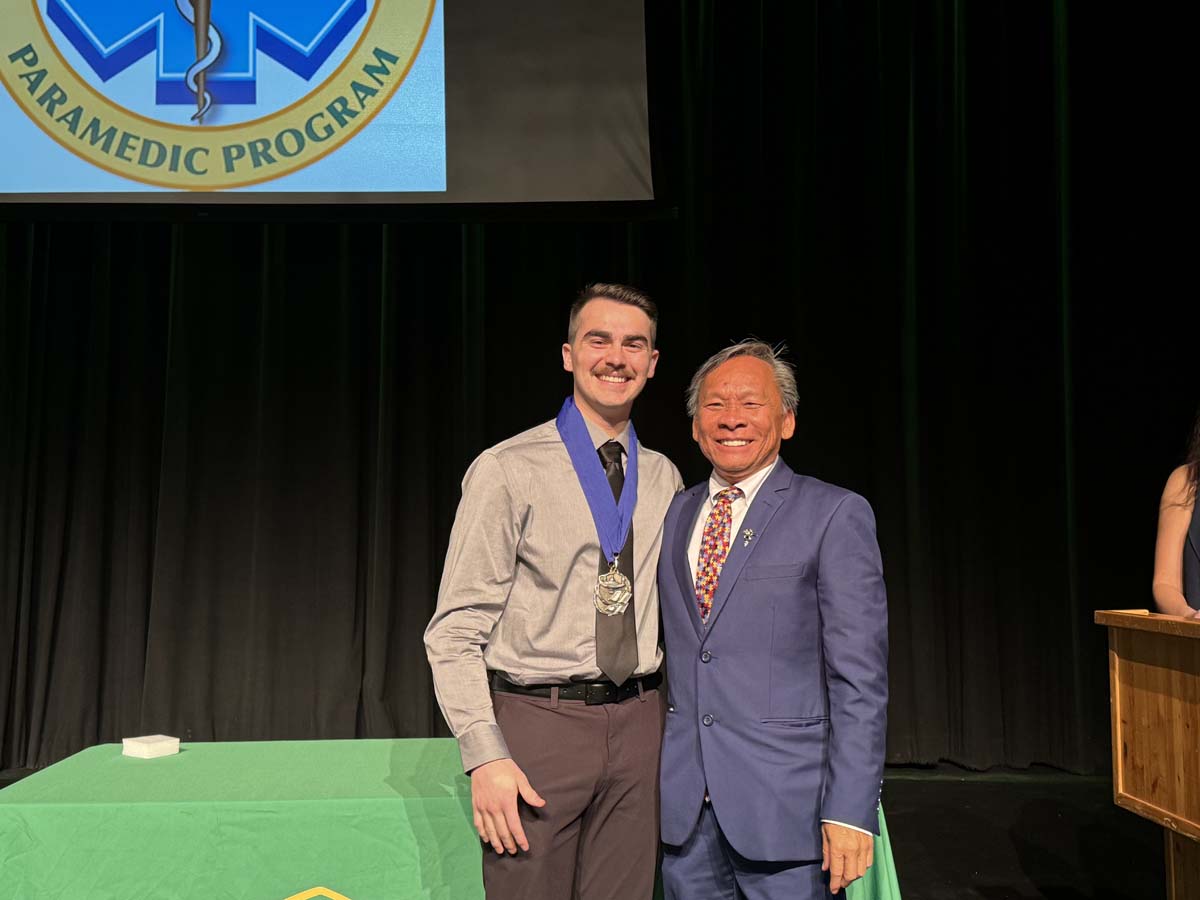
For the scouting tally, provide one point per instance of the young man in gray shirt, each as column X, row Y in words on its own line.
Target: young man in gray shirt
column 545, row 645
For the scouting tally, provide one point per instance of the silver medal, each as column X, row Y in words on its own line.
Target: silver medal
column 613, row 592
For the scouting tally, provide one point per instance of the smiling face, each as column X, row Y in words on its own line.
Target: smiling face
column 740, row 420
column 610, row 358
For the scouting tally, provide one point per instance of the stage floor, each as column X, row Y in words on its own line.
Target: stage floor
column 1017, row 835
column 958, row 835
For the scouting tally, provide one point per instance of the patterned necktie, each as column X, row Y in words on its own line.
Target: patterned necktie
column 616, row 636
column 714, row 547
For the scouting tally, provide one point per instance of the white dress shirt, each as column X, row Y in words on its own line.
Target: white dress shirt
column 749, row 487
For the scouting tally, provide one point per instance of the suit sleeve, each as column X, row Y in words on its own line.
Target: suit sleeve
column 853, row 606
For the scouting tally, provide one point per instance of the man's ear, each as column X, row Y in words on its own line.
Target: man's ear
column 653, row 364
column 567, row 363
column 789, row 425
column 695, row 430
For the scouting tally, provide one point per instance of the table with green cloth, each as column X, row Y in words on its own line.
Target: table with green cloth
column 279, row 820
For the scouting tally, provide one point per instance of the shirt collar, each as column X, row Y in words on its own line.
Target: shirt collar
column 600, row 436
column 749, row 484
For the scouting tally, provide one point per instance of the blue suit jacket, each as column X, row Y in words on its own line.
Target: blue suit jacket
column 778, row 706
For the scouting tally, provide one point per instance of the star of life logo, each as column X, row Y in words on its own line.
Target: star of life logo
column 206, row 94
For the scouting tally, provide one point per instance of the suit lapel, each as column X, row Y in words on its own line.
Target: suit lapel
column 683, row 536
column 766, row 503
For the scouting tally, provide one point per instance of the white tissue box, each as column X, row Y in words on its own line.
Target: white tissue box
column 151, row 746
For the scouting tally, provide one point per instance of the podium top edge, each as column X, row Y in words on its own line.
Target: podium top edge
column 1144, row 620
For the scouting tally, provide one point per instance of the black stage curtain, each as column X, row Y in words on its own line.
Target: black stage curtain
column 230, row 451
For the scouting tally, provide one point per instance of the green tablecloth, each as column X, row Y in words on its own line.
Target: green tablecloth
column 365, row 820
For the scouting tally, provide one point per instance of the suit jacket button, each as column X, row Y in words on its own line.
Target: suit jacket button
column 707, row 720
column 705, row 656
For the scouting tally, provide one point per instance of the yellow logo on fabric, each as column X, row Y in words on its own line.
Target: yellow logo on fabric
column 66, row 82
column 317, row 892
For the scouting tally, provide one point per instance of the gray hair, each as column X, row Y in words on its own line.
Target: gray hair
column 785, row 378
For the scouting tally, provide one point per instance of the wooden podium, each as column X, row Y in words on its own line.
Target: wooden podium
column 1154, row 677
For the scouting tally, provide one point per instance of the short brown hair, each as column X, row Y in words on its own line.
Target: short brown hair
column 618, row 293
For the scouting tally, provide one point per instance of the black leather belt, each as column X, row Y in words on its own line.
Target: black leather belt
column 592, row 693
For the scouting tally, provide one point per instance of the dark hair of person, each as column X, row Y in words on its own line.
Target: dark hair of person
column 618, row 293
column 1192, row 461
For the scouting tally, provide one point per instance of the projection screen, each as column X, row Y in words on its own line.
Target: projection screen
column 317, row 101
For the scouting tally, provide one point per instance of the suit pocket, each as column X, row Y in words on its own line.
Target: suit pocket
column 803, row 722
column 760, row 573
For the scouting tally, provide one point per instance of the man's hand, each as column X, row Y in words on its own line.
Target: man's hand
column 494, row 789
column 846, row 854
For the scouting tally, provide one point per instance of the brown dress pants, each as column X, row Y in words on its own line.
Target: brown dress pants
column 597, row 769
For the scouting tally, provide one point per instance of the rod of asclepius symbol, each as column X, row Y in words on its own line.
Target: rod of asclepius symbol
column 208, row 48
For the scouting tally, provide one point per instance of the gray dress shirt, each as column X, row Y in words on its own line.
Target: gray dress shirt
column 516, row 591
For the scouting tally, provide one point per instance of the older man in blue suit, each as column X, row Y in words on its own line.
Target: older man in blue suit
column 775, row 621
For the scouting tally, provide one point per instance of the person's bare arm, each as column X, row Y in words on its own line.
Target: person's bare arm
column 1174, row 518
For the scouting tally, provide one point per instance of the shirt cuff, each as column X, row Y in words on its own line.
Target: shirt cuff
column 480, row 745
column 851, row 827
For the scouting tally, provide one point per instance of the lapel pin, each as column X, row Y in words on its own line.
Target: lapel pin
column 748, row 534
